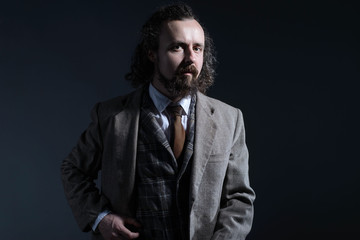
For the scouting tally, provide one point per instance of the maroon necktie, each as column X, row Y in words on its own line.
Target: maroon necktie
column 179, row 132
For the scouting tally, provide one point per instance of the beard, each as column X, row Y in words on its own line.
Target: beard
column 181, row 85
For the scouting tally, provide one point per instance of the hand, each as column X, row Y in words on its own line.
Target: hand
column 112, row 227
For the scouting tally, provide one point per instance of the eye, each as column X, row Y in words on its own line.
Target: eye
column 197, row 49
column 176, row 48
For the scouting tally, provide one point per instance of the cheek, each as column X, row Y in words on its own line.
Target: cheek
column 200, row 63
column 175, row 60
column 170, row 63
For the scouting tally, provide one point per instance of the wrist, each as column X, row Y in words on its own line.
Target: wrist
column 99, row 219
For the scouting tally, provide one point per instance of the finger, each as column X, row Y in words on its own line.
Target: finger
column 132, row 221
column 127, row 233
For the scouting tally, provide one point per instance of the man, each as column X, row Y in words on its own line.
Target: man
column 165, row 173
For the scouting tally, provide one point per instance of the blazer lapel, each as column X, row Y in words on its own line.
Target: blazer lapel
column 205, row 129
column 151, row 126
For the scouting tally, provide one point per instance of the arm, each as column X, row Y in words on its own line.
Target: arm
column 79, row 170
column 89, row 206
column 236, row 210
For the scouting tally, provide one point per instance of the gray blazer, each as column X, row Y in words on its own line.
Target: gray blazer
column 221, row 199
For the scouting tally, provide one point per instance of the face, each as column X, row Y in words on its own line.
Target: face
column 179, row 59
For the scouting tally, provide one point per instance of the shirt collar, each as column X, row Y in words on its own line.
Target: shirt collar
column 161, row 101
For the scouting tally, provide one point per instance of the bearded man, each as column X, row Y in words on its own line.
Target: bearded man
column 173, row 162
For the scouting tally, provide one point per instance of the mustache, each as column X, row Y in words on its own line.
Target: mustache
column 188, row 69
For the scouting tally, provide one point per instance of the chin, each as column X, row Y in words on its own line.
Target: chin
column 188, row 79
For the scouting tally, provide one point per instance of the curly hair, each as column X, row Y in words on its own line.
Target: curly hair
column 142, row 69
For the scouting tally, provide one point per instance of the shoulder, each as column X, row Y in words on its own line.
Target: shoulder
column 217, row 107
column 226, row 117
column 113, row 106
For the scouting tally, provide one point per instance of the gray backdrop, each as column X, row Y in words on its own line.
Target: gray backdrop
column 290, row 66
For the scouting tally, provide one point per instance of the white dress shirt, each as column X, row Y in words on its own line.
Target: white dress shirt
column 163, row 116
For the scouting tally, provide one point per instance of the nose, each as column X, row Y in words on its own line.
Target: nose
column 189, row 55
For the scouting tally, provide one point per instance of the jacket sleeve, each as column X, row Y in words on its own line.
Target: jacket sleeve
column 79, row 170
column 236, row 211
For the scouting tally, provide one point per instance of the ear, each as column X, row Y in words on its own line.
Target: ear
column 151, row 55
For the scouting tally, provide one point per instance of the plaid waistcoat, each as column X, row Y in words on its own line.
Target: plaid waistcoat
column 162, row 182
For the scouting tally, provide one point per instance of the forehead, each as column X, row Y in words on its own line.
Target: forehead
column 187, row 31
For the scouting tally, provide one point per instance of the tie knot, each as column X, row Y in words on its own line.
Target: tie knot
column 175, row 110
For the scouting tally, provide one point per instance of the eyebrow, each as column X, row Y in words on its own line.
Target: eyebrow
column 184, row 43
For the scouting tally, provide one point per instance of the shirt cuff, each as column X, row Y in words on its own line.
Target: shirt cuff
column 99, row 218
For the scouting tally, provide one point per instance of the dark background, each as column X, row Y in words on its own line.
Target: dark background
column 291, row 67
